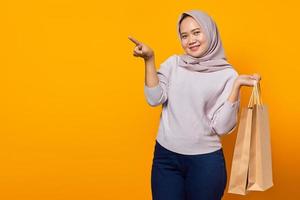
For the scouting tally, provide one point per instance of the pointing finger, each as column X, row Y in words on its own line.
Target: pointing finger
column 135, row 41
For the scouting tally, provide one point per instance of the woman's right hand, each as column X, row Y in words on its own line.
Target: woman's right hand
column 141, row 49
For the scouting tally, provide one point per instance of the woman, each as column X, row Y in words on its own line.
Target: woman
column 199, row 93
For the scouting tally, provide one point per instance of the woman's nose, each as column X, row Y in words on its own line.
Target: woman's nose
column 191, row 40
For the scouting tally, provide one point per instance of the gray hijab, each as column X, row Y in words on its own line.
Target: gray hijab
column 213, row 58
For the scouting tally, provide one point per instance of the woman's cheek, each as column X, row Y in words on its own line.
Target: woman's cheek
column 184, row 44
column 202, row 38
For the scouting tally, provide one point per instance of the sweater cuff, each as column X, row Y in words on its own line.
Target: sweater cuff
column 153, row 90
column 153, row 94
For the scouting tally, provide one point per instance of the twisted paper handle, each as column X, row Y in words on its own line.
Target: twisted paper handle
column 255, row 95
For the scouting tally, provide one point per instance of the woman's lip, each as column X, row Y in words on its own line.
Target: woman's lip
column 194, row 48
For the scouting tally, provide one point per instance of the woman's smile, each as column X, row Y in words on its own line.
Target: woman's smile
column 194, row 48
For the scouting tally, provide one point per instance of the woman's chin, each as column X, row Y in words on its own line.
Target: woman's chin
column 196, row 54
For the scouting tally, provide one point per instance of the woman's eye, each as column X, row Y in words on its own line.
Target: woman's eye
column 197, row 32
column 183, row 37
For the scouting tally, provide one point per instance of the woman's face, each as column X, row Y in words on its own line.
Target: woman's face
column 193, row 39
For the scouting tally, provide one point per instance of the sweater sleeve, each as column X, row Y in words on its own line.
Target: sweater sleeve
column 158, row 94
column 224, row 119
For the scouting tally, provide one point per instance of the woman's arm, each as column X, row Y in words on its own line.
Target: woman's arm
column 151, row 78
column 155, row 82
column 144, row 51
column 225, row 119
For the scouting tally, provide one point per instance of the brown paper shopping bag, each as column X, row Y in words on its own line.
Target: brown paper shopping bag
column 241, row 154
column 251, row 168
column 260, row 163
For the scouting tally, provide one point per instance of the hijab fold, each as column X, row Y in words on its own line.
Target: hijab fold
column 213, row 58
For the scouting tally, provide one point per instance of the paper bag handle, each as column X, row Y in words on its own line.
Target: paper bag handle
column 255, row 95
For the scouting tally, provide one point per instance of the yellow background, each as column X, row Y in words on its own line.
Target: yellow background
column 74, row 123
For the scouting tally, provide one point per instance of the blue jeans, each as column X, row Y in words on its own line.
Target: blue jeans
column 187, row 177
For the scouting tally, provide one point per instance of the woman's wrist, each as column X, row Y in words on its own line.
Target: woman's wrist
column 237, row 85
column 149, row 58
column 150, row 63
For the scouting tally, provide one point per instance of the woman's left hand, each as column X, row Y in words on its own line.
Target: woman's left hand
column 247, row 80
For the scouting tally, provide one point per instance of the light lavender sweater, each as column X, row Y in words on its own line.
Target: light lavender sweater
column 195, row 110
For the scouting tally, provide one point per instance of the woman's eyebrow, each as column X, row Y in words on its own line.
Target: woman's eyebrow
column 191, row 30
